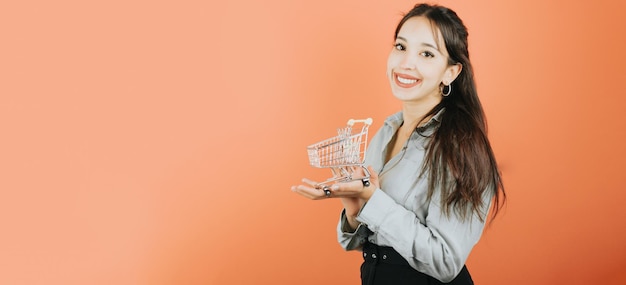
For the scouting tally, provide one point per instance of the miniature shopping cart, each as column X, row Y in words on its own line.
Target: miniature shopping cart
column 341, row 154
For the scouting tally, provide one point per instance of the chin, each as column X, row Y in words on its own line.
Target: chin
column 404, row 96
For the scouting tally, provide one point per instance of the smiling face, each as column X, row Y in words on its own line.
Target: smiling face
column 418, row 63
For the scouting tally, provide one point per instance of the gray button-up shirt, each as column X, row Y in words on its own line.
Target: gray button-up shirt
column 399, row 214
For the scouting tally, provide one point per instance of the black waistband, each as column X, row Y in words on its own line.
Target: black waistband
column 384, row 254
column 374, row 255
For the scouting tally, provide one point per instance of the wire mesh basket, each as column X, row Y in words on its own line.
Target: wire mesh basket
column 342, row 153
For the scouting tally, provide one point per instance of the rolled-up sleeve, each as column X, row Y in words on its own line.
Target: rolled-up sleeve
column 351, row 240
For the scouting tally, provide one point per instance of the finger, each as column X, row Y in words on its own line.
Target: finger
column 344, row 188
column 309, row 192
column 372, row 171
column 373, row 175
column 309, row 181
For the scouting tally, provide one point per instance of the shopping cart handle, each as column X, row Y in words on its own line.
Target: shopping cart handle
column 367, row 121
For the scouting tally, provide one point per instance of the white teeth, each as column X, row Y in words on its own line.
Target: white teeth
column 406, row 81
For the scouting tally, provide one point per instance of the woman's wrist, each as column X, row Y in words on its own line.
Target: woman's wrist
column 367, row 194
column 352, row 222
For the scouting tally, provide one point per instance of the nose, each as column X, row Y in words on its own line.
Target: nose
column 408, row 61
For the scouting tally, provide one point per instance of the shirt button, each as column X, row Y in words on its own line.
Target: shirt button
column 374, row 255
column 364, row 254
column 384, row 256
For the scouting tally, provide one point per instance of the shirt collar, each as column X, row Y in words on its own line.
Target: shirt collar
column 395, row 120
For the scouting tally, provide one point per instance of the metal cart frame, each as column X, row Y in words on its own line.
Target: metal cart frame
column 341, row 154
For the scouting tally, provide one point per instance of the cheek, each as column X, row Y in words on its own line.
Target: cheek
column 431, row 71
column 392, row 62
column 389, row 68
column 389, row 64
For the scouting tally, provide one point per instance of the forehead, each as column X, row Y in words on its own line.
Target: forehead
column 420, row 30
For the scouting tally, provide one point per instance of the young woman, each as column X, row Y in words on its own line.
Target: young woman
column 433, row 173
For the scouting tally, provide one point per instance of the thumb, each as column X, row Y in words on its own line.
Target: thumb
column 373, row 176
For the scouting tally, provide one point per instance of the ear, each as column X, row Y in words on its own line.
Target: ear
column 451, row 73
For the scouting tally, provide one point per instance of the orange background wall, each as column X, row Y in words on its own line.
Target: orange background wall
column 155, row 142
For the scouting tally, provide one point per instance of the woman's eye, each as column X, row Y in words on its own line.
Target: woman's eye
column 427, row 54
column 399, row 46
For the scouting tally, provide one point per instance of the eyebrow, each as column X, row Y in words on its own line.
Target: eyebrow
column 424, row 44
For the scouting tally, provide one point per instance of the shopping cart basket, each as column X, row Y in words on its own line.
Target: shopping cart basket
column 341, row 154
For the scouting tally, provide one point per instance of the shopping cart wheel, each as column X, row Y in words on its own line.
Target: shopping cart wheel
column 326, row 191
column 366, row 182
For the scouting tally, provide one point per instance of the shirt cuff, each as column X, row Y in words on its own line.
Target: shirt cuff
column 375, row 210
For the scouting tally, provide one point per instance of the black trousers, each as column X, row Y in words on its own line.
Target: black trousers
column 383, row 266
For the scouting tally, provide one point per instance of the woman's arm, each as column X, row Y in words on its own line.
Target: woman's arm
column 438, row 246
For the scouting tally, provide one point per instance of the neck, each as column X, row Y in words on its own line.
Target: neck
column 414, row 114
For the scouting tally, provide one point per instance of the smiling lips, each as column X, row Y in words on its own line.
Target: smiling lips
column 405, row 81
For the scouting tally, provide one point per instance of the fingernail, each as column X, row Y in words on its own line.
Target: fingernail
column 335, row 187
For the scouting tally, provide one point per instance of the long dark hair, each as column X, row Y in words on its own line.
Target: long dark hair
column 459, row 159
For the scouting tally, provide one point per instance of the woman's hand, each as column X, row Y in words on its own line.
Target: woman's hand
column 357, row 188
column 352, row 189
column 309, row 190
